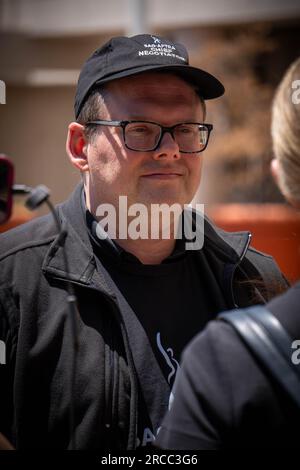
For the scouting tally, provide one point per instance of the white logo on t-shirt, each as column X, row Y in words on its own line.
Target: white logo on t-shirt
column 169, row 358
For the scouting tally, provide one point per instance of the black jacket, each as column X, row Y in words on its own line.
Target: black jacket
column 35, row 327
column 225, row 398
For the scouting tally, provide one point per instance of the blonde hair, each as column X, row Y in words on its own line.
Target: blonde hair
column 285, row 131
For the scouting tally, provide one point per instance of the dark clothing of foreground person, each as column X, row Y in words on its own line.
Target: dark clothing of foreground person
column 225, row 399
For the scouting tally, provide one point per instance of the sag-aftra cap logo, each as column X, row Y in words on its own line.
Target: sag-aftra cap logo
column 160, row 48
column 156, row 40
column 2, row 92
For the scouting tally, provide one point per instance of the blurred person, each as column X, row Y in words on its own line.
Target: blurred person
column 140, row 131
column 224, row 396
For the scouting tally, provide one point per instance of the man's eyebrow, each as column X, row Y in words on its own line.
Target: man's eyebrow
column 142, row 117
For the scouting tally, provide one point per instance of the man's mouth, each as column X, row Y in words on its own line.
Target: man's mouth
column 162, row 175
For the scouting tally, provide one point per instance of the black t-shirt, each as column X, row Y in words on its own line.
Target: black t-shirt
column 224, row 399
column 173, row 302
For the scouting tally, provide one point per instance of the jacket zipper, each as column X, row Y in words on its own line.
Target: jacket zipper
column 134, row 387
column 133, row 405
column 131, row 444
column 109, row 414
column 109, row 411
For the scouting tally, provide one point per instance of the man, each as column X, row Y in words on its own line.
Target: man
column 139, row 133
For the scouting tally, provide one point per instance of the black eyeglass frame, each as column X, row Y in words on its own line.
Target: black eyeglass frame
column 163, row 130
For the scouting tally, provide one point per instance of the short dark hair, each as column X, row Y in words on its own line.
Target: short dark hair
column 93, row 109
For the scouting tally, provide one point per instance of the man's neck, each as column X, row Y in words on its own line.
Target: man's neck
column 148, row 251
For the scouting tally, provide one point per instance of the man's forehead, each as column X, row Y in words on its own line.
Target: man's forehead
column 153, row 85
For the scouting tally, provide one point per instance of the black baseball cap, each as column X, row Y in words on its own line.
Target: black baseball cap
column 125, row 56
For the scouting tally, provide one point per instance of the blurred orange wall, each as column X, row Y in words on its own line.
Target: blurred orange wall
column 275, row 230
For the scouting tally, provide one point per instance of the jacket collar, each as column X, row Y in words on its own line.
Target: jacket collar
column 77, row 245
column 82, row 266
column 232, row 244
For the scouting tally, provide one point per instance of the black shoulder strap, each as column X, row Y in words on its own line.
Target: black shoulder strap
column 270, row 343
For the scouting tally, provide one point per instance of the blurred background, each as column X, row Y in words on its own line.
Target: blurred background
column 247, row 44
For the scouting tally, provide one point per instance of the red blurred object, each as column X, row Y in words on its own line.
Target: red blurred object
column 275, row 230
column 20, row 215
column 6, row 184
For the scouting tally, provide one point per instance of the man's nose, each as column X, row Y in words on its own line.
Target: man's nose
column 167, row 149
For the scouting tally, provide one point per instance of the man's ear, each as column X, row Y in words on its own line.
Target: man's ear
column 76, row 146
column 274, row 166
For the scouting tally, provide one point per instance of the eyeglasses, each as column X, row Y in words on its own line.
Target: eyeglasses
column 146, row 136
